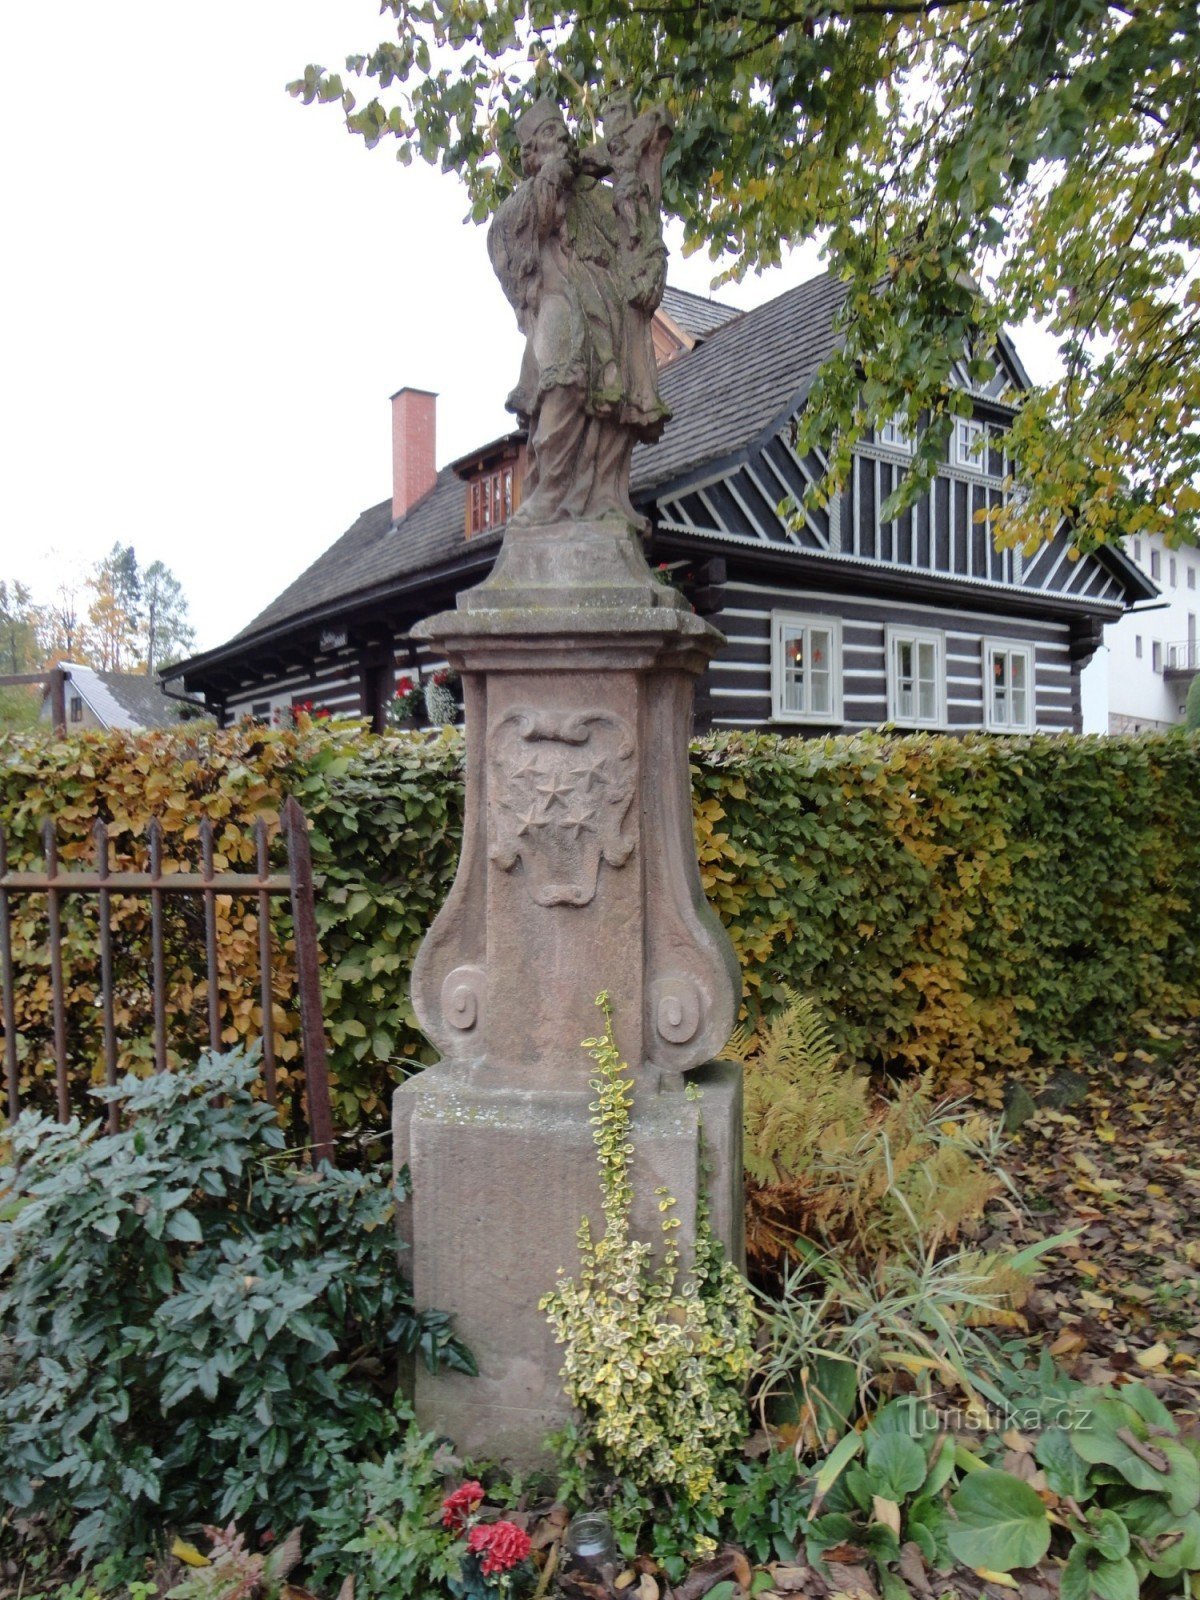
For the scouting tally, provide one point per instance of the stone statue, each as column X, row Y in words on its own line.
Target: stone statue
column 578, row 868
column 583, row 263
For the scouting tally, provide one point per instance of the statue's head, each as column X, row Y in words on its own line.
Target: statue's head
column 542, row 133
column 618, row 117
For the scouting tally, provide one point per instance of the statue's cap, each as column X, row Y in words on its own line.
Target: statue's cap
column 540, row 112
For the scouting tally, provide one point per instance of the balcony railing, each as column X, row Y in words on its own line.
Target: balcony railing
column 1183, row 656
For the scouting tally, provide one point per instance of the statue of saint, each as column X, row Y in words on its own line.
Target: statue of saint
column 583, row 263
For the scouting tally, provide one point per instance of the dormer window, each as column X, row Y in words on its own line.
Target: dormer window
column 492, row 480
column 490, row 500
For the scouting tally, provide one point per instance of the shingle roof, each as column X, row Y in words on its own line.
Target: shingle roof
column 373, row 550
column 747, row 372
column 123, row 699
column 694, row 313
column 744, row 377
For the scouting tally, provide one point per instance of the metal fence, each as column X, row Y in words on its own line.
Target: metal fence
column 56, row 883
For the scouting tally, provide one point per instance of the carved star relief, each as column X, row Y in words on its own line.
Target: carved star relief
column 581, row 824
column 592, row 774
column 554, row 788
column 527, row 820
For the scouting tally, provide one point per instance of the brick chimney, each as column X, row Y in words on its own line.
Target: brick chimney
column 414, row 426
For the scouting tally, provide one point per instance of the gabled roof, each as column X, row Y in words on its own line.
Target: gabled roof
column 747, row 373
column 741, row 382
column 751, row 366
column 694, row 313
column 123, row 699
column 372, row 550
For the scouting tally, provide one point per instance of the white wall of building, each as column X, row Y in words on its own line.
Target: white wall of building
column 1150, row 651
column 1093, row 692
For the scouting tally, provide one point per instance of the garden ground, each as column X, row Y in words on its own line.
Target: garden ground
column 1112, row 1151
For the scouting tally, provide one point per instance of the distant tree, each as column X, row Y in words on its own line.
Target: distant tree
column 19, row 620
column 965, row 165
column 115, row 611
column 63, row 634
column 168, row 632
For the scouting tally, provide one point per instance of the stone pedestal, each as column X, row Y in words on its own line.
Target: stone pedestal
column 502, row 1178
column 578, row 873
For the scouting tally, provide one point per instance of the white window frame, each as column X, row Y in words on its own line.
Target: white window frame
column 961, row 453
column 1010, row 647
column 789, row 622
column 896, row 633
column 893, row 436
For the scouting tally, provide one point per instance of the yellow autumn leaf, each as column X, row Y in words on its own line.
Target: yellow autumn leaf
column 188, row 1554
column 1153, row 1357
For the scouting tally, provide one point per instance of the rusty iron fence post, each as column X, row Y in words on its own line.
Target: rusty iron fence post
column 312, row 1023
column 106, row 884
column 8, row 998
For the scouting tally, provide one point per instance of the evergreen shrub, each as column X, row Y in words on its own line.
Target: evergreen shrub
column 193, row 1326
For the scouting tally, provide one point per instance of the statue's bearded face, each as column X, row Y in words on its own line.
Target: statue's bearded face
column 549, row 139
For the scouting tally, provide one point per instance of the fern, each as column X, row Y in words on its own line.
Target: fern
column 834, row 1164
column 796, row 1096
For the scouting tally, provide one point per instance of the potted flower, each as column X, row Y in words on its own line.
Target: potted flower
column 495, row 1550
column 405, row 704
column 441, row 703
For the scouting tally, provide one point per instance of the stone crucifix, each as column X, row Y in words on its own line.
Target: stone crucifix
column 578, row 869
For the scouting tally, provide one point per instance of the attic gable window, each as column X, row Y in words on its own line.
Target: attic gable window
column 970, row 443
column 892, row 433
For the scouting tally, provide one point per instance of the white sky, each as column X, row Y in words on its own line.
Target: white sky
column 210, row 291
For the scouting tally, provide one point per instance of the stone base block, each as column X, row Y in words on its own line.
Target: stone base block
column 501, row 1179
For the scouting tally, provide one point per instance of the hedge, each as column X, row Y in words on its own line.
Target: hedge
column 961, row 902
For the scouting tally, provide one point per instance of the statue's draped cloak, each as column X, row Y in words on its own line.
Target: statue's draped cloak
column 597, row 338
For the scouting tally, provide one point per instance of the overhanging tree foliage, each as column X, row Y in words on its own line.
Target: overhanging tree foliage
column 968, row 165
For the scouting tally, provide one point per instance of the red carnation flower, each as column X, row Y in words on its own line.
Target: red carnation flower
column 501, row 1544
column 404, row 687
column 457, row 1507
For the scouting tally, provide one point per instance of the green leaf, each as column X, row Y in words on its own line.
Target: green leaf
column 835, row 1463
column 896, row 1466
column 1177, row 1549
column 1065, row 1472
column 183, row 1225
column 1108, row 1534
column 1115, row 1580
column 1002, row 1523
column 1096, row 1439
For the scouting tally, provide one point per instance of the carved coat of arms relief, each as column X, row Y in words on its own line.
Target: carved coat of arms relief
column 562, row 783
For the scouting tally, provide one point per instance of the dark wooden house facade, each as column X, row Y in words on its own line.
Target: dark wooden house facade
column 837, row 622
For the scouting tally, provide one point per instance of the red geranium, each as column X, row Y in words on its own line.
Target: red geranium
column 457, row 1507
column 501, row 1544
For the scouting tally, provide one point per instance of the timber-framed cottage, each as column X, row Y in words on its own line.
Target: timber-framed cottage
column 834, row 622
